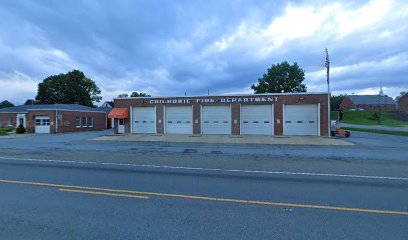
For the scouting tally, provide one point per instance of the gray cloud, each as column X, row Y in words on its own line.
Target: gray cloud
column 172, row 47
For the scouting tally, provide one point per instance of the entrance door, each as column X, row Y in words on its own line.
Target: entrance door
column 42, row 124
column 21, row 119
column 121, row 126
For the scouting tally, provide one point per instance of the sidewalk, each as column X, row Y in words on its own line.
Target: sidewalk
column 375, row 127
column 226, row 139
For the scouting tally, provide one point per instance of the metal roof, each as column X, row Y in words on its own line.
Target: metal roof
column 105, row 109
column 371, row 99
column 60, row 107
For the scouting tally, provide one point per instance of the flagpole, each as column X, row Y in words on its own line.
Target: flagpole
column 328, row 90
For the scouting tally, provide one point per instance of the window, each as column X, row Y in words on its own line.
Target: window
column 10, row 121
column 78, row 122
column 91, row 121
column 84, row 122
column 121, row 121
column 42, row 122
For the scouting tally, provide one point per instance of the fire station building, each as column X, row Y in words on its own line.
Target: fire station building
column 259, row 114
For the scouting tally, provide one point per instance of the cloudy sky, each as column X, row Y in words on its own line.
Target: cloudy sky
column 171, row 47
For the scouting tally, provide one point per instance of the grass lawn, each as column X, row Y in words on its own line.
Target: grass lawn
column 5, row 131
column 363, row 118
column 380, row 131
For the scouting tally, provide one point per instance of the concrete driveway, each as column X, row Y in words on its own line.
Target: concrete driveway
column 226, row 139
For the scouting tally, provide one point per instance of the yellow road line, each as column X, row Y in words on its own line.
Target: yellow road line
column 102, row 193
column 363, row 210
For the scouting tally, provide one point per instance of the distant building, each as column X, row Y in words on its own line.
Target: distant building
column 368, row 102
column 109, row 104
column 402, row 104
column 54, row 118
column 107, row 108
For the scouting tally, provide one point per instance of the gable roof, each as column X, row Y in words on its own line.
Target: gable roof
column 401, row 97
column 61, row 107
column 371, row 99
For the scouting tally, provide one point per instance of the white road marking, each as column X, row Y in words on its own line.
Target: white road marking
column 210, row 169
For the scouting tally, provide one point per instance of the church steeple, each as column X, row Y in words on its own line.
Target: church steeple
column 381, row 91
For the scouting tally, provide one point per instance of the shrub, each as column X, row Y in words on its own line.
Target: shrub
column 20, row 129
column 373, row 117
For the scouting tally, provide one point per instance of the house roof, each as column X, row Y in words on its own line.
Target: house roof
column 105, row 109
column 61, row 107
column 371, row 99
column 401, row 97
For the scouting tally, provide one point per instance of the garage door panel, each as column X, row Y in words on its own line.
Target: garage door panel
column 42, row 124
column 257, row 119
column 216, row 120
column 301, row 120
column 179, row 120
column 144, row 119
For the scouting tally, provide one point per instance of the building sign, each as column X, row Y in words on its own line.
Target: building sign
column 213, row 100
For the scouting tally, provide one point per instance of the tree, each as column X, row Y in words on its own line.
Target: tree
column 281, row 77
column 123, row 95
column 30, row 102
column 141, row 94
column 72, row 87
column 5, row 104
column 335, row 102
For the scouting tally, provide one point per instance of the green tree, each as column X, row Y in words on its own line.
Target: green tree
column 281, row 77
column 72, row 87
column 5, row 104
column 335, row 102
column 123, row 95
column 141, row 94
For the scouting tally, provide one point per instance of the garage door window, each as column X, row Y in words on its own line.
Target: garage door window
column 42, row 122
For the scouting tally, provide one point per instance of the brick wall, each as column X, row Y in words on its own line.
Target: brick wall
column 403, row 105
column 31, row 119
column 346, row 104
column 68, row 121
column 235, row 110
column 4, row 117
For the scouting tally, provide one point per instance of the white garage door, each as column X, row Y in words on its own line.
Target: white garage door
column 179, row 120
column 257, row 119
column 216, row 120
column 300, row 120
column 42, row 124
column 144, row 119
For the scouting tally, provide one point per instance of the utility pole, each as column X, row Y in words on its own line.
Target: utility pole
column 327, row 64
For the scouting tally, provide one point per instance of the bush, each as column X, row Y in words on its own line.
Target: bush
column 20, row 129
column 373, row 117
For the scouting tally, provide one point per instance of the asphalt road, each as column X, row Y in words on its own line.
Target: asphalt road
column 65, row 187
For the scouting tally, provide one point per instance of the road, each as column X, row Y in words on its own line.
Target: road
column 65, row 191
